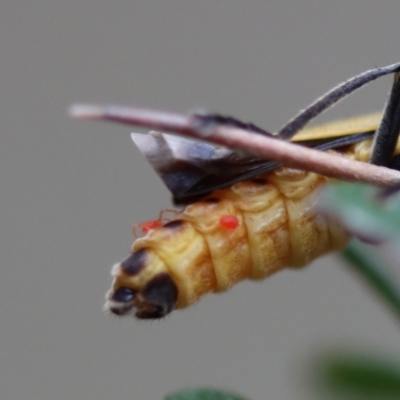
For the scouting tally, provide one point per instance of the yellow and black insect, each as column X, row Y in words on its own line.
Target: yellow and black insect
column 245, row 218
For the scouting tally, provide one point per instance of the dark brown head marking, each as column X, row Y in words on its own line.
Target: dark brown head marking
column 134, row 263
column 159, row 297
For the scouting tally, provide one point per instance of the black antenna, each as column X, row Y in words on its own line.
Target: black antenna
column 333, row 96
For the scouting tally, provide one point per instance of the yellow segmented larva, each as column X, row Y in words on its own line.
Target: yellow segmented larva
column 251, row 229
column 277, row 226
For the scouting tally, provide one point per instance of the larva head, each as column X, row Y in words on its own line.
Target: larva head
column 142, row 287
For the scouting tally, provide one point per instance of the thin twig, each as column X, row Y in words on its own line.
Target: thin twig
column 287, row 153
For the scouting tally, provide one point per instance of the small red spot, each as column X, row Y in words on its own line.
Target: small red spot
column 146, row 226
column 229, row 222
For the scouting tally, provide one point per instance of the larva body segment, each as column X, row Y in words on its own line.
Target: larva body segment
column 186, row 257
column 228, row 248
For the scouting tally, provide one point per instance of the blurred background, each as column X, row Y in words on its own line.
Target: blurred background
column 70, row 191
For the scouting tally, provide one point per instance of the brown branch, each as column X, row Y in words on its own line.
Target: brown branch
column 287, row 153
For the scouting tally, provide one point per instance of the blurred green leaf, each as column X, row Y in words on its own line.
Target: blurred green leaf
column 203, row 394
column 358, row 377
column 370, row 213
column 373, row 269
column 363, row 209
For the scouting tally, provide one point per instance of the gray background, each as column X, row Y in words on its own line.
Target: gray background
column 70, row 190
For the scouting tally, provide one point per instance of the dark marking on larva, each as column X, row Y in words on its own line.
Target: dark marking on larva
column 176, row 223
column 156, row 313
column 135, row 262
column 212, row 200
column 259, row 181
column 160, row 296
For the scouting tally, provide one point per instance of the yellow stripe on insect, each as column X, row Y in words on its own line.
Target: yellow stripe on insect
column 343, row 127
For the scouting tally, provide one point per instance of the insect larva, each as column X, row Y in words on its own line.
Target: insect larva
column 248, row 223
column 278, row 227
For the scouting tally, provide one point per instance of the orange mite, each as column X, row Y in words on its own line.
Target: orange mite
column 229, row 222
column 147, row 226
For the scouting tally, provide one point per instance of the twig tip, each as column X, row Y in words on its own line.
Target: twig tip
column 86, row 111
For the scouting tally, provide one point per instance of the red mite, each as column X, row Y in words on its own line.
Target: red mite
column 229, row 222
column 146, row 226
